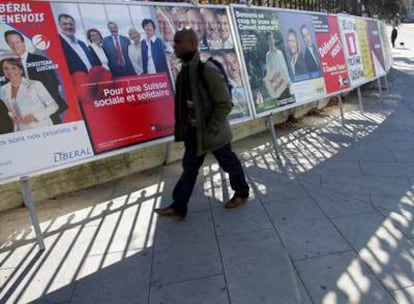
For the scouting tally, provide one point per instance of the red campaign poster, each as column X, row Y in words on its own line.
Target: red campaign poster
column 129, row 110
column 32, row 35
column 119, row 72
column 375, row 45
column 331, row 53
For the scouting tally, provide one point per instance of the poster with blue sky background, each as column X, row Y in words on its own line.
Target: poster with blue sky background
column 302, row 55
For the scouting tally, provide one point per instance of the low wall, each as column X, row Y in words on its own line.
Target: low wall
column 93, row 173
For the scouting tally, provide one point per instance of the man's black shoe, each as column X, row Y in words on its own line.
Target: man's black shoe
column 169, row 212
column 235, row 202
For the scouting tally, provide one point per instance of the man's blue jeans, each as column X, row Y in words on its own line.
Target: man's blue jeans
column 227, row 160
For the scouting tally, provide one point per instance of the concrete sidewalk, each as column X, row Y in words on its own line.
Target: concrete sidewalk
column 331, row 221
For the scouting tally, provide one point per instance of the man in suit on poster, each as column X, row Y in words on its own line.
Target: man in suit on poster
column 6, row 123
column 196, row 22
column 116, row 49
column 224, row 30
column 37, row 67
column 78, row 56
column 311, row 52
column 79, row 60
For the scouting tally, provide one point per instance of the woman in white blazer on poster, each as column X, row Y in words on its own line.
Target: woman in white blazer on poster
column 28, row 101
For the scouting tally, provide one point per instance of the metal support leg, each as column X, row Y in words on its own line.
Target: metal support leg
column 379, row 87
column 28, row 201
column 341, row 109
column 273, row 134
column 361, row 106
column 167, row 153
column 386, row 83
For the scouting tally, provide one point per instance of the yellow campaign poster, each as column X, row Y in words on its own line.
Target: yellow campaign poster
column 365, row 51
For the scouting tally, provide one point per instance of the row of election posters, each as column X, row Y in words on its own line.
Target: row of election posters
column 83, row 79
column 295, row 57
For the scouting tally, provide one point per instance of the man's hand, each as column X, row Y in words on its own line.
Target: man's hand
column 28, row 119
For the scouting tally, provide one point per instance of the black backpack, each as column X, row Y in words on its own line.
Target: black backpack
column 221, row 69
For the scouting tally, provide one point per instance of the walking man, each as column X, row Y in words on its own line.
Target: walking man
column 395, row 26
column 201, row 111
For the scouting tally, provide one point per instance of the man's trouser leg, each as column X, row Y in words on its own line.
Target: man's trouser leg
column 185, row 185
column 228, row 160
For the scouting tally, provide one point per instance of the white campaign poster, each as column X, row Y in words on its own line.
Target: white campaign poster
column 27, row 151
column 41, row 125
column 354, row 60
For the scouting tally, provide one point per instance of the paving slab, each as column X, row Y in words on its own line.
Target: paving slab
column 365, row 154
column 336, row 204
column 132, row 227
column 341, row 278
column 391, row 169
column 342, row 167
column 403, row 154
column 199, row 200
column 185, row 250
column 364, row 185
column 201, row 291
column 398, row 209
column 382, row 246
column 304, row 229
column 258, row 269
column 404, row 296
column 48, row 274
column 181, row 259
column 271, row 186
column 197, row 225
column 247, row 218
column 113, row 278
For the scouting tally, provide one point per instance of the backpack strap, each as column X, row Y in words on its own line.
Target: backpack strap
column 220, row 67
column 201, row 74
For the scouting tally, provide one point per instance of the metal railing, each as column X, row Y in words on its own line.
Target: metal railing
column 353, row 7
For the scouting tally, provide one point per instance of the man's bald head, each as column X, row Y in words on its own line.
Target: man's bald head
column 188, row 34
column 185, row 42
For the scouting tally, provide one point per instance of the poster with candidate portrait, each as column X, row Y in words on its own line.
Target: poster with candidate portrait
column 331, row 52
column 119, row 70
column 377, row 52
column 351, row 42
column 79, row 79
column 40, row 121
column 213, row 28
column 303, row 58
column 262, row 48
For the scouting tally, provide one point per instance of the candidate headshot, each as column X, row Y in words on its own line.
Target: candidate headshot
column 310, row 54
column 295, row 57
column 152, row 50
column 196, row 22
column 30, row 61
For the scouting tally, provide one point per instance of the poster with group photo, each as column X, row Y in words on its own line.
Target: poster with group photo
column 349, row 35
column 262, row 47
column 302, row 55
column 40, row 121
column 120, row 73
column 377, row 53
column 213, row 28
column 362, row 30
column 331, row 52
